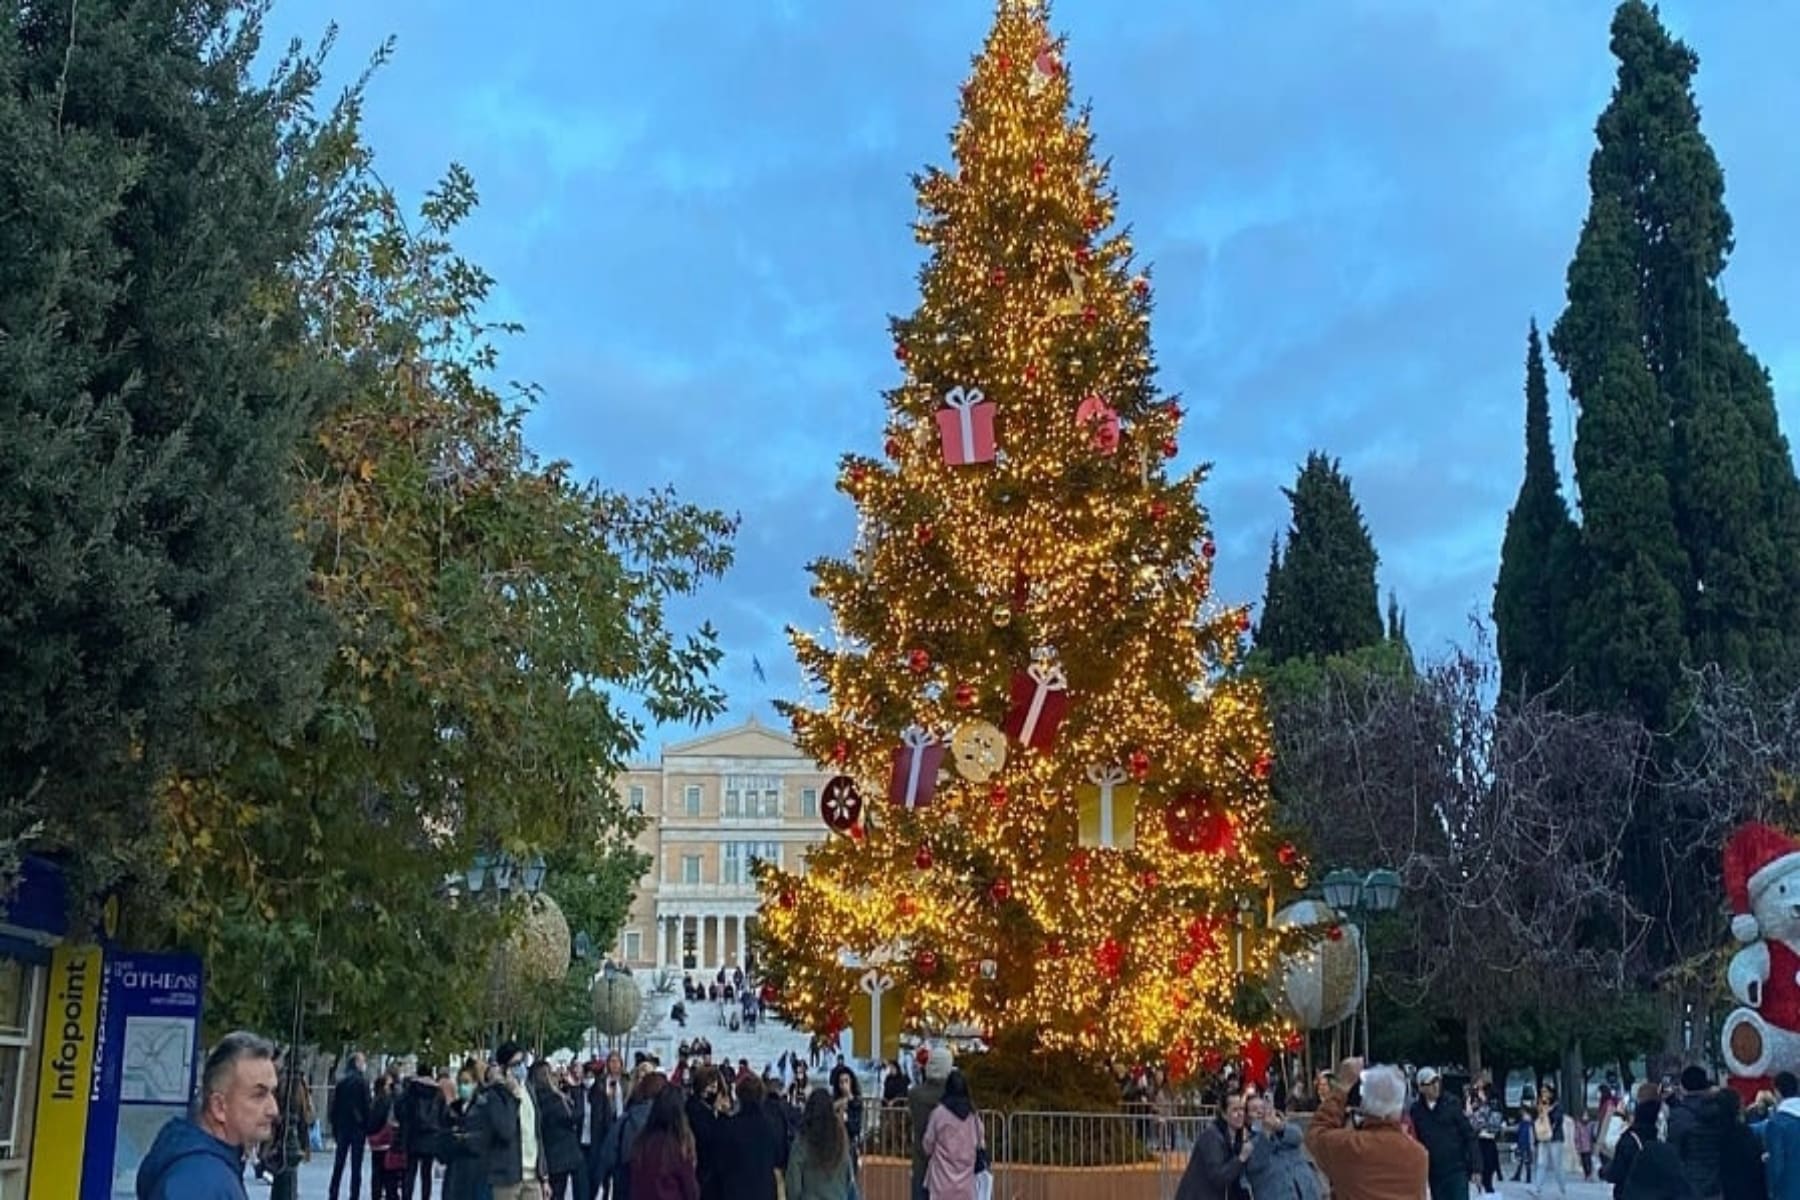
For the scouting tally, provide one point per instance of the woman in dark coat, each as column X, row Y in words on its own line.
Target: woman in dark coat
column 562, row 1133
column 748, row 1149
column 463, row 1174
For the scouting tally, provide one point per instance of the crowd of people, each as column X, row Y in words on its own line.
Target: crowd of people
column 1375, row 1135
column 512, row 1127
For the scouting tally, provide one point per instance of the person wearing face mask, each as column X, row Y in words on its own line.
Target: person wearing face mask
column 505, row 1131
column 1278, row 1168
column 462, row 1168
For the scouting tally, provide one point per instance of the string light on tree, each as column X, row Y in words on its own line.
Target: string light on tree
column 1102, row 809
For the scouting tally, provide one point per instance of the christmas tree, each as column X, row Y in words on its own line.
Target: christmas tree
column 1052, row 801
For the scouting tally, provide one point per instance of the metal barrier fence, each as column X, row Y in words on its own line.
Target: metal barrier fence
column 1136, row 1155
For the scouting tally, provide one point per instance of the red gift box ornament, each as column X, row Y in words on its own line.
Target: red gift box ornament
column 966, row 427
column 916, row 763
column 1098, row 417
column 1040, row 701
column 841, row 805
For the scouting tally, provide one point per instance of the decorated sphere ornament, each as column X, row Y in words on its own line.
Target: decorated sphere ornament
column 1287, row 855
column 1001, row 616
column 1159, row 509
column 1209, row 549
column 922, row 857
column 1170, row 449
column 965, row 695
column 1321, row 985
column 918, row 661
column 841, row 804
column 979, row 750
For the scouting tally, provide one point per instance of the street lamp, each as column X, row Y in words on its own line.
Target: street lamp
column 502, row 873
column 1353, row 892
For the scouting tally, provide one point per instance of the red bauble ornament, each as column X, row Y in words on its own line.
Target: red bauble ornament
column 1091, row 222
column 1031, row 372
column 1264, row 764
column 1141, row 286
column 1187, row 962
column 894, row 447
column 1243, row 620
column 1083, row 256
column 841, row 804
column 926, row 961
column 1037, row 169
column 1090, row 314
column 1335, row 933
column 1170, row 449
column 965, row 695
column 922, row 859
column 901, row 352
column 1209, row 549
column 1196, row 825
column 1110, row 958
column 918, row 661
column 839, row 752
column 1174, row 411
column 858, row 474
column 1287, row 855
column 997, row 795
column 1159, row 509
column 1202, row 935
column 1148, row 881
column 1006, row 62
column 1001, row 890
column 998, row 277
column 924, row 532
column 786, row 899
column 857, row 833
column 1139, row 765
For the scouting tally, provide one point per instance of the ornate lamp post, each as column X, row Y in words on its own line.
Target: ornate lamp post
column 1352, row 892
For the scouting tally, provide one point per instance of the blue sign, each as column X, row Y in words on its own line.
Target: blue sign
column 147, row 1055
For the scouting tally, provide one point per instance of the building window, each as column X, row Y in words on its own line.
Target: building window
column 18, row 1008
column 809, row 802
column 690, row 868
column 691, row 797
column 753, row 795
column 634, row 945
column 635, row 798
column 732, row 866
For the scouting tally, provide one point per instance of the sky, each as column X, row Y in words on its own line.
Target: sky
column 701, row 213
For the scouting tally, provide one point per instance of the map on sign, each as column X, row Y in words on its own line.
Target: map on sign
column 154, row 1067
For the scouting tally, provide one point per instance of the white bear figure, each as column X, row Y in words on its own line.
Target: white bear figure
column 1762, row 880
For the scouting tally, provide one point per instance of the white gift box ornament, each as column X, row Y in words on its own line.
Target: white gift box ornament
column 1108, row 805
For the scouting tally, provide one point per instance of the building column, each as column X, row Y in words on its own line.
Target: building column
column 737, row 941
column 661, row 926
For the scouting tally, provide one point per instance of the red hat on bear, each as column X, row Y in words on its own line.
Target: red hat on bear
column 1755, row 857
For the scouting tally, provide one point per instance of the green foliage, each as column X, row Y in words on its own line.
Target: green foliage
column 594, row 889
column 486, row 611
column 152, row 394
column 1321, row 597
column 1018, row 1074
column 1538, row 558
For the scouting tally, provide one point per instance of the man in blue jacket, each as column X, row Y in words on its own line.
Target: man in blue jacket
column 1782, row 1135
column 202, row 1157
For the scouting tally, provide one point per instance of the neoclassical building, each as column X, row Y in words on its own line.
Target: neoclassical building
column 715, row 804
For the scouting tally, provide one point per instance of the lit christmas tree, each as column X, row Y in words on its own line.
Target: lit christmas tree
column 1053, row 803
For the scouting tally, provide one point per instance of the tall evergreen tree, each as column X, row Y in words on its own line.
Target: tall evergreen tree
column 1321, row 597
column 152, row 395
column 1532, row 595
column 1690, row 507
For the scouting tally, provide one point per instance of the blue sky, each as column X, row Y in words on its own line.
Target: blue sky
column 701, row 213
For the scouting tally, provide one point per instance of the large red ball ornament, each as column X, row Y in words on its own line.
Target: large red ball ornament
column 922, row 859
column 786, row 899
column 901, row 352
column 1169, row 448
column 1287, row 855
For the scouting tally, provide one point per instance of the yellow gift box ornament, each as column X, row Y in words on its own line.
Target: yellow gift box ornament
column 1108, row 805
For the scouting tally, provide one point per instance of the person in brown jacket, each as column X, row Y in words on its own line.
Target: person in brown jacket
column 1372, row 1158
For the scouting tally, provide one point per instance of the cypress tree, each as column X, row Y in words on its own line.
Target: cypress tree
column 1321, row 599
column 1690, row 506
column 1537, row 558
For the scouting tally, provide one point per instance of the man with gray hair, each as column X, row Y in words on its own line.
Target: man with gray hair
column 1356, row 1137
column 201, row 1157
